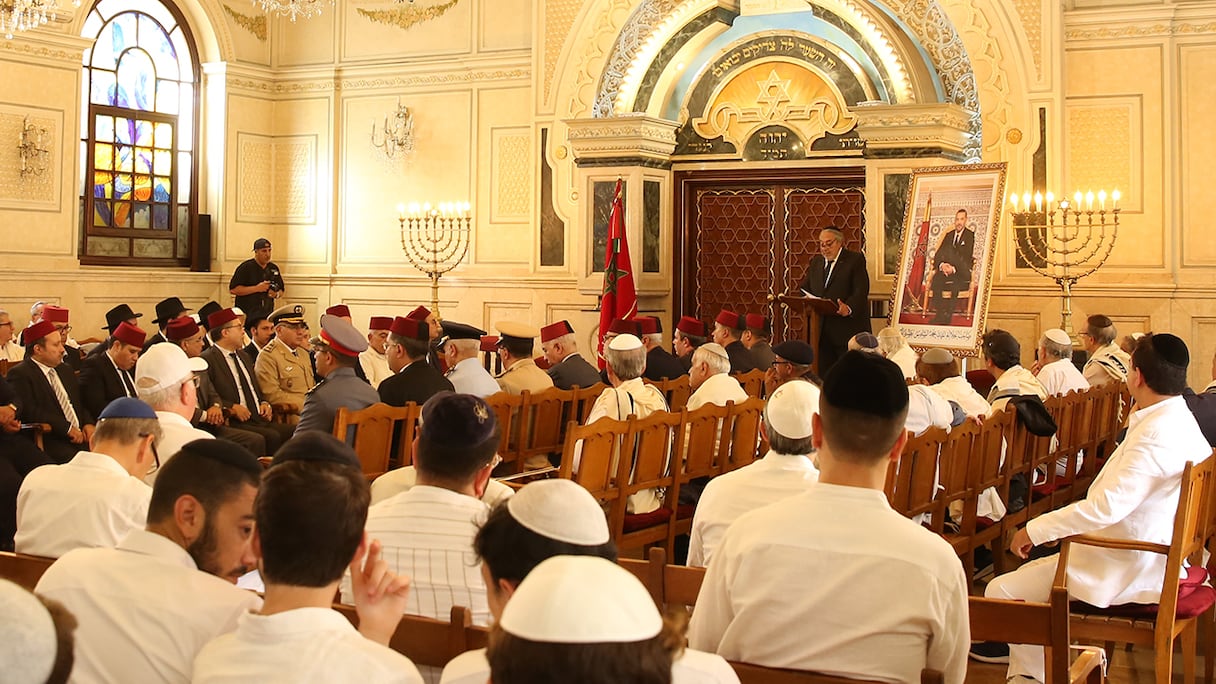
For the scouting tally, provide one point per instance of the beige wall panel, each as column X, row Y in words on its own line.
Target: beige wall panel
column 1202, row 344
column 1026, row 326
column 389, row 30
column 1197, row 64
column 504, row 179
column 505, row 25
column 437, row 171
column 307, row 41
column 250, row 31
column 584, row 320
column 496, row 311
column 1115, row 126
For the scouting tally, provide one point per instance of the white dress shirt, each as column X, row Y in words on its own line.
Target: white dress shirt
column 730, row 495
column 958, row 390
column 144, row 609
column 717, row 390
column 375, row 366
column 470, row 377
column 632, row 397
column 304, row 645
column 833, row 580
column 1061, row 377
column 403, row 479
column 692, row 667
column 905, row 357
column 178, row 432
column 1134, row 496
column 926, row 409
column 91, row 501
column 12, row 352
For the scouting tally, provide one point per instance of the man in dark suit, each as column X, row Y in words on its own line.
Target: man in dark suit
column 756, row 339
column 114, row 317
column 232, row 374
column 839, row 275
column 660, row 363
column 728, row 331
column 952, row 263
column 107, row 377
column 166, row 310
column 71, row 352
column 690, row 333
column 413, row 379
column 48, row 392
column 18, row 456
column 567, row 367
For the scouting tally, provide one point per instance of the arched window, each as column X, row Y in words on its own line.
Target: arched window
column 139, row 135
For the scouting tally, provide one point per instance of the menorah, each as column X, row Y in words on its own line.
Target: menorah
column 1068, row 250
column 435, row 240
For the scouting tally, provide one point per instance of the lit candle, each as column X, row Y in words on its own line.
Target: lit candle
column 1089, row 201
column 1013, row 198
column 1026, row 200
column 1114, row 198
column 426, row 207
column 1038, row 201
column 1050, row 198
column 414, row 209
column 401, row 211
column 1077, row 200
column 1102, row 200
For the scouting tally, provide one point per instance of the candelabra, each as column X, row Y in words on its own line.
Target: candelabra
column 292, row 9
column 397, row 136
column 1070, row 248
column 31, row 149
column 435, row 240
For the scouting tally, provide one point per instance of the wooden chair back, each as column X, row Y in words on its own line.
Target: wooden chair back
column 649, row 572
column 597, row 446
column 705, row 445
column 507, row 408
column 425, row 641
column 670, row 585
column 373, row 434
column 912, row 480
column 584, row 399
column 644, row 464
column 1038, row 624
column 676, row 391
column 543, row 420
column 23, row 569
column 5, row 364
column 752, row 382
column 744, row 422
column 758, row 674
column 957, row 470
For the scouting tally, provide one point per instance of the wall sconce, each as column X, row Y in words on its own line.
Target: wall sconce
column 34, row 153
column 397, row 136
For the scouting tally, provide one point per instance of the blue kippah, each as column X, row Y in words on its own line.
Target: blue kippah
column 126, row 407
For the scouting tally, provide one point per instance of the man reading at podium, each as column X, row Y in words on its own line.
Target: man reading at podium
column 839, row 275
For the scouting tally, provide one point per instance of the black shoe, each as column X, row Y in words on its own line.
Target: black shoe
column 990, row 652
column 982, row 558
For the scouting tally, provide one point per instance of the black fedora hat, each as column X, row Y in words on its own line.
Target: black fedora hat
column 168, row 309
column 118, row 315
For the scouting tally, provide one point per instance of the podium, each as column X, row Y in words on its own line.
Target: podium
column 812, row 309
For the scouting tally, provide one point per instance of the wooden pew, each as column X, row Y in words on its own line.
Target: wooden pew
column 23, row 569
column 758, row 674
column 426, row 642
column 1039, row 624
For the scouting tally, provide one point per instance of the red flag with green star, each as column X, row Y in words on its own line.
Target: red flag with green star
column 619, row 299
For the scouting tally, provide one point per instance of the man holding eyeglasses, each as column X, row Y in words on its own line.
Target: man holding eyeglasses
column 9, row 349
column 164, row 377
column 284, row 368
column 839, row 275
column 99, row 496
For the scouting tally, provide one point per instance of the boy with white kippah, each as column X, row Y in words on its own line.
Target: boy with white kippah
column 787, row 469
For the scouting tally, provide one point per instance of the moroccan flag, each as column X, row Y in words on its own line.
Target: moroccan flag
column 619, row 299
column 920, row 253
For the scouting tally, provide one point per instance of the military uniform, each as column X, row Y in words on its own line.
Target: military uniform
column 284, row 376
column 524, row 375
column 341, row 388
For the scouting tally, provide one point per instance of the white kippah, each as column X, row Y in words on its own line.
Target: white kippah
column 581, row 600
column 560, row 510
column 715, row 349
column 625, row 342
column 28, row 644
column 1058, row 336
column 936, row 355
column 790, row 408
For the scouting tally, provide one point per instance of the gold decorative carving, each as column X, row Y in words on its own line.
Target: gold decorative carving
column 30, row 188
column 276, row 178
column 1138, row 31
column 511, row 195
column 1014, row 136
column 788, row 94
column 406, row 16
column 1100, row 149
column 559, row 18
column 425, row 79
column 254, row 25
column 1031, row 14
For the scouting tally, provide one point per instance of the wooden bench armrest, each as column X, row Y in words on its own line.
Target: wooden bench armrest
column 1089, row 667
column 1119, row 544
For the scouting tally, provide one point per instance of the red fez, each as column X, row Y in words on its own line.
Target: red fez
column 648, row 325
column 691, row 326
column 380, row 323
column 129, row 334
column 54, row 314
column 623, row 326
column 730, row 319
column 219, row 318
column 36, row 332
column 489, row 343
column 757, row 322
column 419, row 314
column 555, row 330
column 340, row 310
column 409, row 328
column 183, row 327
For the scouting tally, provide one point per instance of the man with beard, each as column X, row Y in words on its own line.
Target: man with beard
column 147, row 607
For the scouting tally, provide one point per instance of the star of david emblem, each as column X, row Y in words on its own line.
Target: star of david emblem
column 774, row 90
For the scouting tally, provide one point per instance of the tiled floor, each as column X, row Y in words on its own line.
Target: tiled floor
column 1134, row 667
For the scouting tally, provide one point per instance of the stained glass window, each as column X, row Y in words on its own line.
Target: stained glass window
column 138, row 135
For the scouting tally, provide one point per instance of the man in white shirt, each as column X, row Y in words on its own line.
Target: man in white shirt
column 1003, row 358
column 938, row 369
column 1134, row 497
column 893, row 346
column 309, row 513
column 833, row 580
column 1057, row 373
column 373, row 360
column 164, row 377
column 1107, row 361
column 549, row 518
column 147, row 607
column 787, row 469
column 99, row 496
column 711, row 380
column 427, row 531
column 9, row 349
column 460, row 345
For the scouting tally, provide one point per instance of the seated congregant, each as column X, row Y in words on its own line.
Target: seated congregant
column 37, row 637
column 165, row 379
column 461, row 344
column 567, row 367
column 1057, row 373
column 938, row 369
column 690, row 333
column 48, row 392
column 108, row 376
column 891, row 344
column 336, row 348
column 1107, row 362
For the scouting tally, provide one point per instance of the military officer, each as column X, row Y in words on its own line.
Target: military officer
column 337, row 347
column 520, row 372
column 284, row 368
column 461, row 344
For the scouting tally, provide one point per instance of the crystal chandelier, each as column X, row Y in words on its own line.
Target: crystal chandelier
column 292, row 9
column 397, row 136
column 23, row 15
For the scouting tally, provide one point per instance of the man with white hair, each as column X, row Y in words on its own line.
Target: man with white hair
column 164, row 378
column 893, row 346
column 1057, row 373
column 374, row 359
column 1107, row 361
column 711, row 380
column 9, row 349
column 461, row 344
column 567, row 367
column 786, row 470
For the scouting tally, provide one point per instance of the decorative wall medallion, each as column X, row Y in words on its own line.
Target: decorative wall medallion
column 406, row 16
column 1014, row 136
column 254, row 25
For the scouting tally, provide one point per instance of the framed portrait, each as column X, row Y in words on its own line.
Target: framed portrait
column 951, row 220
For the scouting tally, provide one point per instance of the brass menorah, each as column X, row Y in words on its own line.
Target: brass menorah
column 435, row 240
column 1064, row 240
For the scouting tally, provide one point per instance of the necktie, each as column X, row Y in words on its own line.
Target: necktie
column 126, row 382
column 248, row 396
column 957, row 235
column 61, row 395
column 827, row 273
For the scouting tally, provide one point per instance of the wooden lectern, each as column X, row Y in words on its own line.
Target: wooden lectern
column 813, row 309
